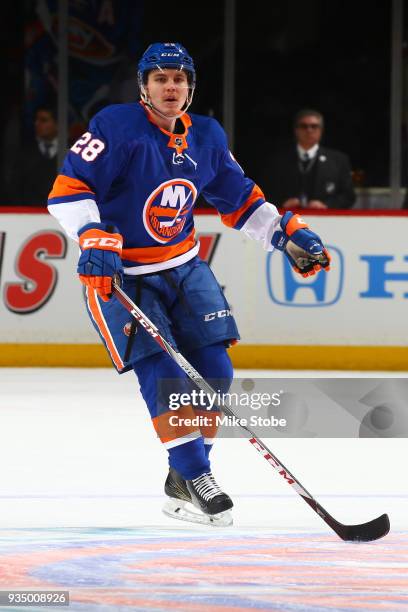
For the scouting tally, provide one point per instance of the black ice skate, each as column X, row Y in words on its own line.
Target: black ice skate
column 202, row 493
column 176, row 487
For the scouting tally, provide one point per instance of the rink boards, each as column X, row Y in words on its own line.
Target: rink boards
column 352, row 318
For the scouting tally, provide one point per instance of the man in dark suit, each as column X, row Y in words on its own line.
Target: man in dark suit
column 308, row 175
column 37, row 167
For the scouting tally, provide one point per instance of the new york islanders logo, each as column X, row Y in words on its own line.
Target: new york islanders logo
column 167, row 207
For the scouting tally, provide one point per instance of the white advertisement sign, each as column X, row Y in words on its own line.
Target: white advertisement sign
column 41, row 297
column 361, row 301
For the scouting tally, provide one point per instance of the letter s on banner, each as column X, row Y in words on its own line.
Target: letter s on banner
column 40, row 278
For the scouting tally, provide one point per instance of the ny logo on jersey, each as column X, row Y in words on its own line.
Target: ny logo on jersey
column 167, row 207
column 174, row 195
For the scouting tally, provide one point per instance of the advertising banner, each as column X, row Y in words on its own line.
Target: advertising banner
column 360, row 303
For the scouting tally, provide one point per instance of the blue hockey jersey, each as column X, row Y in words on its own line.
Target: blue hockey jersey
column 128, row 171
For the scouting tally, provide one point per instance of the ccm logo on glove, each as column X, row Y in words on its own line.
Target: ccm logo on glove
column 101, row 246
column 99, row 240
column 102, row 243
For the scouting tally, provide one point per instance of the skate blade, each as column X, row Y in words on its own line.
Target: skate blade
column 181, row 510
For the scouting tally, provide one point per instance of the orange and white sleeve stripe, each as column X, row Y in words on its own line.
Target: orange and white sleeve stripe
column 256, row 218
column 73, row 204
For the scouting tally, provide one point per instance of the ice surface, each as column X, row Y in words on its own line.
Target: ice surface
column 81, row 490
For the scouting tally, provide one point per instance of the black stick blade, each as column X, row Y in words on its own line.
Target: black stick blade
column 366, row 532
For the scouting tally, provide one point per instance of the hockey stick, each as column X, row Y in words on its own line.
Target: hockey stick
column 373, row 530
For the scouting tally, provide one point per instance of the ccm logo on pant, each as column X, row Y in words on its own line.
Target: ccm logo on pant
column 217, row 315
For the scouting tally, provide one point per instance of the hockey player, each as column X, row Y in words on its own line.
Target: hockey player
column 126, row 193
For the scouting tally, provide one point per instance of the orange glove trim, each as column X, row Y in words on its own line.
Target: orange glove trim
column 101, row 284
column 295, row 223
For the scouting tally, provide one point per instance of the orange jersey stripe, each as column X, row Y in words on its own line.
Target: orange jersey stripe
column 103, row 328
column 168, row 431
column 208, row 422
column 231, row 219
column 67, row 186
column 148, row 255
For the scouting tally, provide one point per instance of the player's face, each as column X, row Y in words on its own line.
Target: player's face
column 167, row 90
column 308, row 131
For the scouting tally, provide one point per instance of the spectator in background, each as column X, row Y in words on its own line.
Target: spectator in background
column 37, row 168
column 308, row 175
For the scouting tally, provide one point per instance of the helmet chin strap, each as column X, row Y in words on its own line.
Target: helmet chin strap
column 149, row 103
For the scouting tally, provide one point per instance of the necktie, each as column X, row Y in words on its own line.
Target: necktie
column 48, row 147
column 305, row 161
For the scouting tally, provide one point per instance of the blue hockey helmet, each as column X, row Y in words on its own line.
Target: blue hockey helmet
column 159, row 56
column 166, row 55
